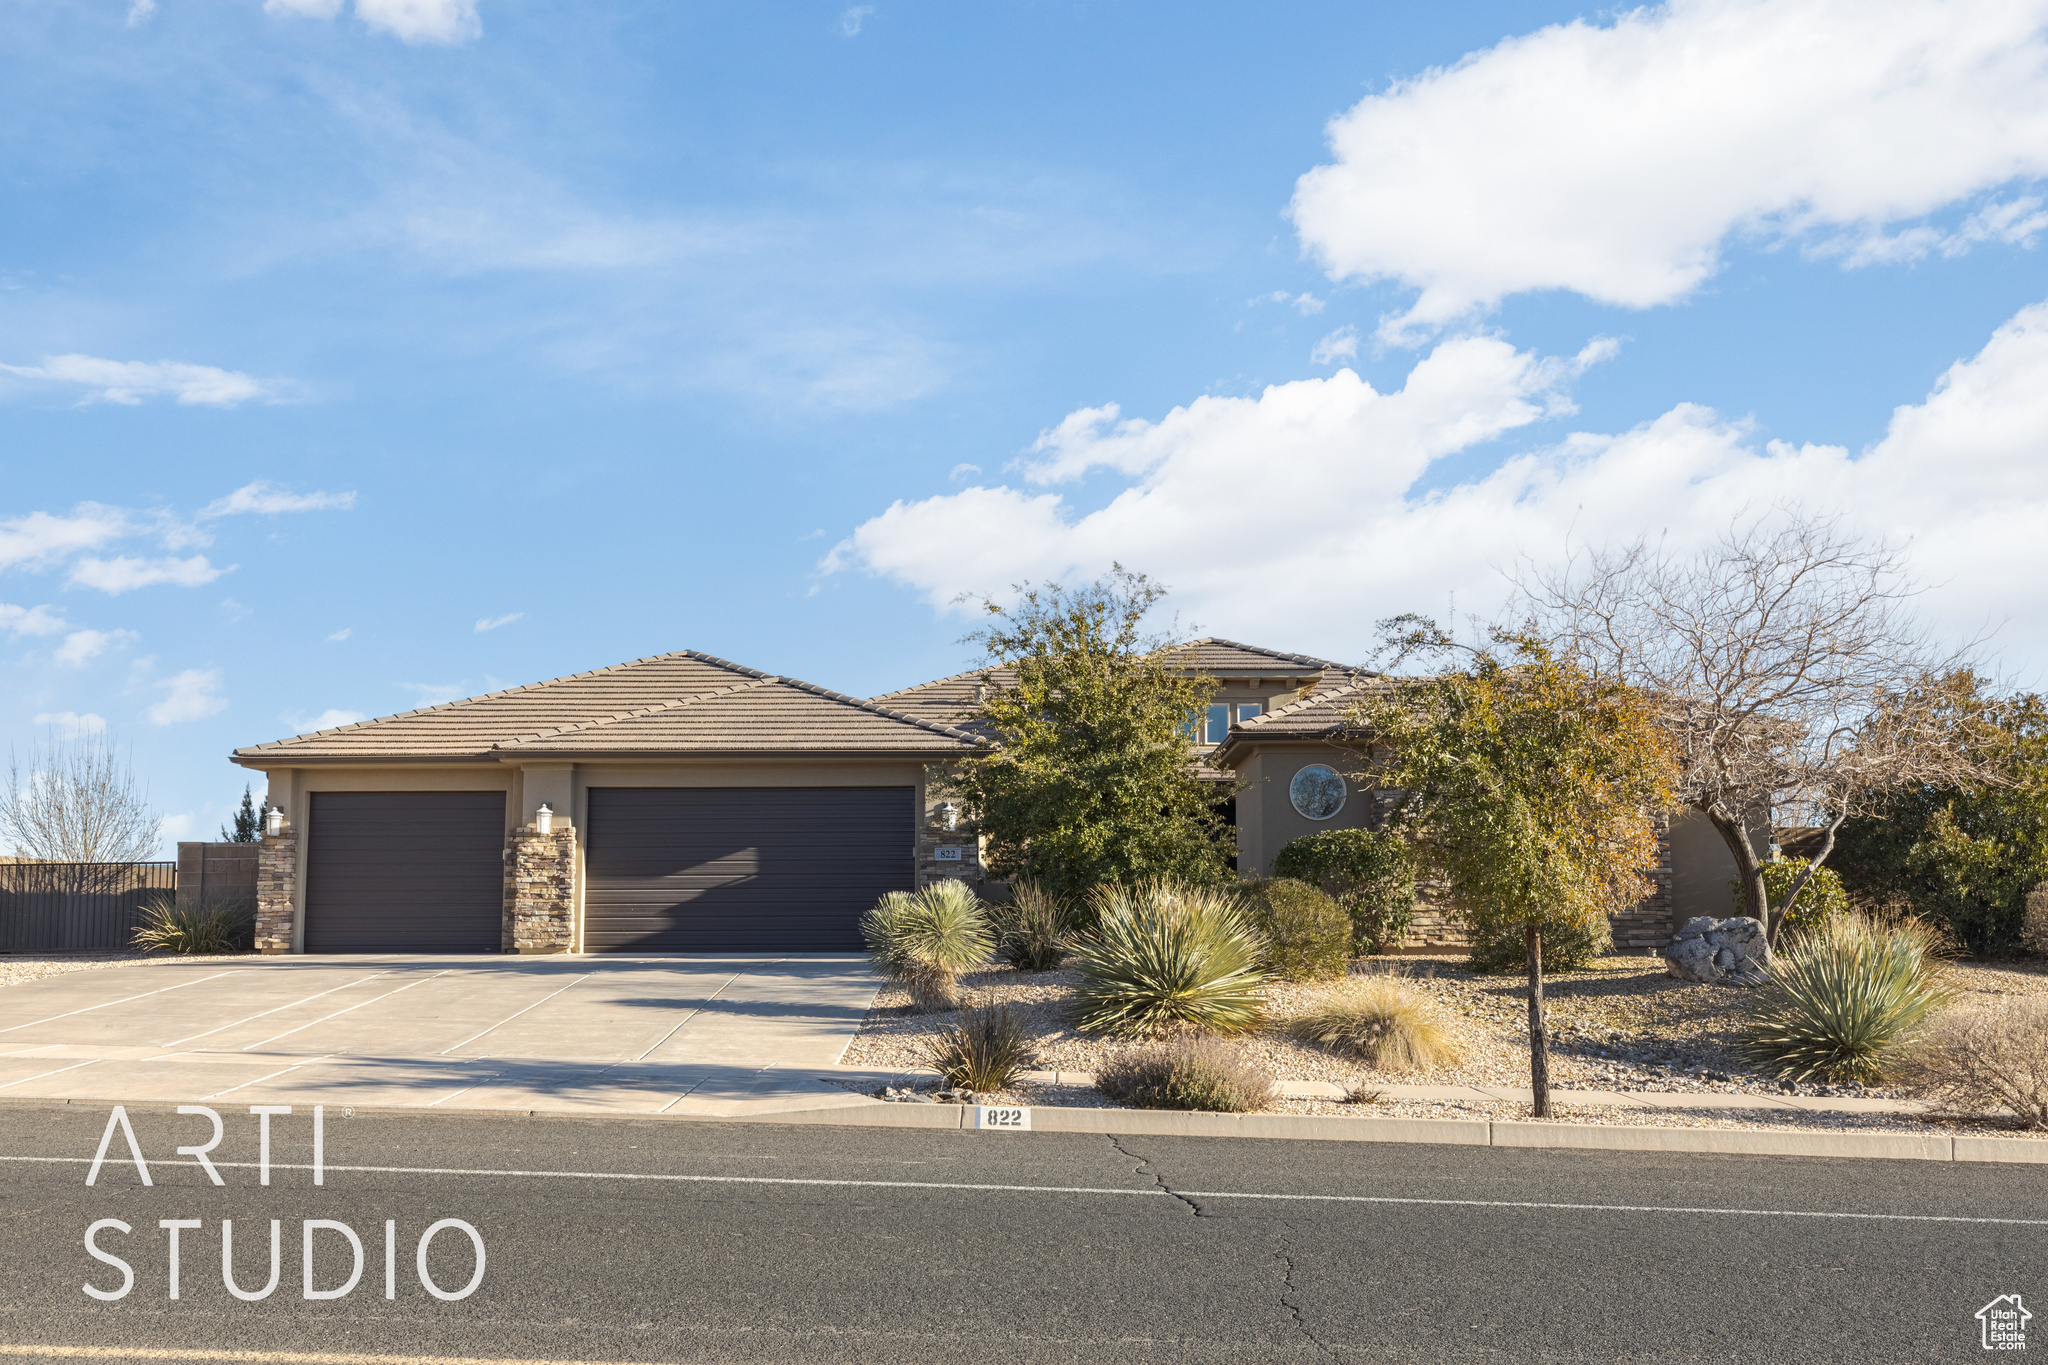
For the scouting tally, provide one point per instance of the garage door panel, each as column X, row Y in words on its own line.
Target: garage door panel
column 405, row 872
column 761, row 869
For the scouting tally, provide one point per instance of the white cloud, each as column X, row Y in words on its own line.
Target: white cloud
column 267, row 498
column 193, row 695
column 961, row 471
column 343, row 633
column 851, row 18
column 422, row 21
column 81, row 646
column 124, row 572
column 140, row 11
column 433, row 694
column 29, row 621
column 73, row 724
column 493, row 622
column 1308, row 305
column 1341, row 344
column 131, row 381
column 1616, row 159
column 173, row 828
column 39, row 539
column 1341, row 525
column 311, row 9
column 332, row 718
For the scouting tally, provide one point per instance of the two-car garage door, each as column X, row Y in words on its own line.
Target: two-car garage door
column 667, row 870
column 741, row 870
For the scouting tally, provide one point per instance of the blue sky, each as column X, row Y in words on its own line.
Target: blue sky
column 367, row 353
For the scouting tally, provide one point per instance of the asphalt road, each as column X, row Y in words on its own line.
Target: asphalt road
column 1130, row 1249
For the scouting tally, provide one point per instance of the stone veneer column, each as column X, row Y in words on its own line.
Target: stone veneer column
column 540, row 901
column 932, row 835
column 277, row 875
column 1646, row 927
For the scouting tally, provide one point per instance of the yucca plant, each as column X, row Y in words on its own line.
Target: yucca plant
column 1193, row 1073
column 1379, row 1019
column 925, row 939
column 1842, row 997
column 201, row 927
column 984, row 1049
column 1033, row 928
column 1167, row 956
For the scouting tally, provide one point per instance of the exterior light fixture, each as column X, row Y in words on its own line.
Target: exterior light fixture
column 273, row 822
column 544, row 819
column 949, row 815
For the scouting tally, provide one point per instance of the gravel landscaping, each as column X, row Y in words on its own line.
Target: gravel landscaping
column 16, row 968
column 1622, row 1025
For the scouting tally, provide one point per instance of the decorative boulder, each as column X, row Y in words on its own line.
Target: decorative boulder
column 1720, row 952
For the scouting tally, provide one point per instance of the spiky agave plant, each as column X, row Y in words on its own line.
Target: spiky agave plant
column 925, row 939
column 208, row 926
column 1842, row 997
column 1164, row 957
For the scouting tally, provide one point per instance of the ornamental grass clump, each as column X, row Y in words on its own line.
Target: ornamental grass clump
column 925, row 939
column 1032, row 930
column 1191, row 1073
column 1378, row 1019
column 200, row 927
column 1166, row 957
column 1844, row 997
column 1983, row 1060
column 984, row 1049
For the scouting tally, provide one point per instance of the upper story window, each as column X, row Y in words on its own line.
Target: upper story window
column 1218, row 727
column 1249, row 710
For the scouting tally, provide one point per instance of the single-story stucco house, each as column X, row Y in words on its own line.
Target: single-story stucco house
column 683, row 803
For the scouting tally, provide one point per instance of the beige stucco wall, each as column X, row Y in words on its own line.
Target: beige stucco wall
column 1266, row 818
column 565, row 788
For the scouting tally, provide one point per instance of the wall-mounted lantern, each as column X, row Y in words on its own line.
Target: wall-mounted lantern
column 544, row 819
column 273, row 822
column 949, row 815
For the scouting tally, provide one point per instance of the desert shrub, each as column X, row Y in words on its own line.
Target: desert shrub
column 1370, row 873
column 1842, row 998
column 1166, row 956
column 1979, row 1060
column 1822, row 899
column 1033, row 927
column 1377, row 1018
column 1191, row 1073
column 925, row 939
column 1500, row 946
column 2034, row 922
column 983, row 1049
column 1308, row 936
column 203, row 926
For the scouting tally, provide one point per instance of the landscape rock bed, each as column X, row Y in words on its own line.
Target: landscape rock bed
column 1621, row 1025
column 16, row 968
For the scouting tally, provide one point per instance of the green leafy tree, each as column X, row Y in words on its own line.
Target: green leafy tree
column 248, row 826
column 1965, row 855
column 1089, row 779
column 1371, row 873
column 1531, row 786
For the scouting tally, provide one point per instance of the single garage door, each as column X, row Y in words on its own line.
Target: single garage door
column 405, row 872
column 741, row 869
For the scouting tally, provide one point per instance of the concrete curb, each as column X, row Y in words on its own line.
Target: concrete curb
column 1303, row 1127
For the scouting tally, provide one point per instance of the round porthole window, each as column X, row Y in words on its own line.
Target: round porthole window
column 1317, row 792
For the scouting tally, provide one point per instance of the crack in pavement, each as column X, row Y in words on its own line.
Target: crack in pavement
column 1144, row 1167
column 1287, row 1292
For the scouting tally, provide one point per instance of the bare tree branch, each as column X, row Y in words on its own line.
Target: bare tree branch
column 76, row 802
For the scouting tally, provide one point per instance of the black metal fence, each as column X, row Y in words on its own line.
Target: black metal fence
column 77, row 907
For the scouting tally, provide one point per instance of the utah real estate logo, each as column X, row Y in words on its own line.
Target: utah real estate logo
column 2004, row 1321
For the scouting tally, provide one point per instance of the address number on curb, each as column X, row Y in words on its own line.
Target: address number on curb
column 1015, row 1117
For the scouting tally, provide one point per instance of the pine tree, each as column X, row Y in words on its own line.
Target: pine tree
column 248, row 824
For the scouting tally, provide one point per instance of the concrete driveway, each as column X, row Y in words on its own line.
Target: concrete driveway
column 706, row 1036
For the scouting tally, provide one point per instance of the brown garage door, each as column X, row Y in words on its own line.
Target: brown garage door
column 405, row 872
column 741, row 870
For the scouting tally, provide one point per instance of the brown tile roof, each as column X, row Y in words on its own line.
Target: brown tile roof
column 950, row 700
column 1323, row 714
column 683, row 703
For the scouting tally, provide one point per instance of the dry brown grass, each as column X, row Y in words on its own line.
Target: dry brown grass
column 1195, row 1073
column 1972, row 1061
column 1379, row 1019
